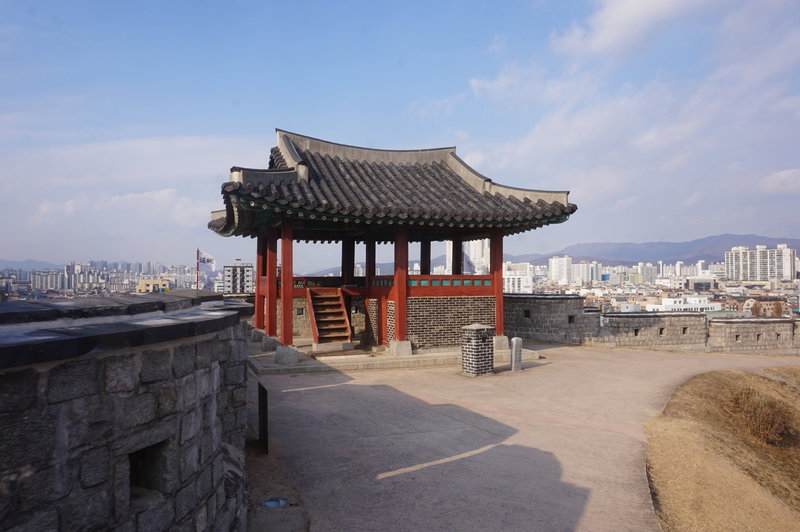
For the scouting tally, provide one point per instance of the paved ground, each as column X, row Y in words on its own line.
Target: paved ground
column 558, row 446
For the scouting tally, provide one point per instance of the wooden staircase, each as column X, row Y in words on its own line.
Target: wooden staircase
column 328, row 315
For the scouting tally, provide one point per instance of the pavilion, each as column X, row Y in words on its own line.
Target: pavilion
column 320, row 191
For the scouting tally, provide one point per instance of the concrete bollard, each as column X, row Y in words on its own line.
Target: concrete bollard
column 516, row 354
column 477, row 350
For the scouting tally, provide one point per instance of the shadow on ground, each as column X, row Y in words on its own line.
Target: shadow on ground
column 369, row 457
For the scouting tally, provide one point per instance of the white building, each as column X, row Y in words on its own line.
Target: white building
column 560, row 269
column 476, row 251
column 760, row 264
column 517, row 278
column 238, row 279
column 685, row 304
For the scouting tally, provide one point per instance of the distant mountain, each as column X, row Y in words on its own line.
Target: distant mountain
column 28, row 264
column 710, row 249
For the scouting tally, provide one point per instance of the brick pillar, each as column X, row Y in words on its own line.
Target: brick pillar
column 477, row 350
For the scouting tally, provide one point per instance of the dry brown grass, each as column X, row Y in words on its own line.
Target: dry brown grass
column 725, row 453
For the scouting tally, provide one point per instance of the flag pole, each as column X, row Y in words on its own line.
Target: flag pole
column 197, row 271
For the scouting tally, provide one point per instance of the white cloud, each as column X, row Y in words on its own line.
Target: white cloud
column 499, row 44
column 782, row 182
column 620, row 26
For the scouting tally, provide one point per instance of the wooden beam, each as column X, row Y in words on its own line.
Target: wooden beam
column 496, row 266
column 400, row 282
column 287, row 282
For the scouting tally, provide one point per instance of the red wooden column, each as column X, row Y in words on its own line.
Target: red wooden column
column 287, row 282
column 261, row 272
column 271, row 273
column 496, row 259
column 400, row 282
column 457, row 268
column 425, row 257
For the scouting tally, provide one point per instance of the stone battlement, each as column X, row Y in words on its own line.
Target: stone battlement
column 123, row 413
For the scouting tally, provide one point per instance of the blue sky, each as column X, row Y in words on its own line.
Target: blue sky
column 666, row 119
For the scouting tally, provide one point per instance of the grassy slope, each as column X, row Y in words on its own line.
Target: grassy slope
column 710, row 466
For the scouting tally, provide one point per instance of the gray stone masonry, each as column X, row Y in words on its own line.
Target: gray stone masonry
column 563, row 319
column 516, row 354
column 147, row 436
column 477, row 350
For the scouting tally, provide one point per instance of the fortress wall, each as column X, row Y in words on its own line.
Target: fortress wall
column 131, row 424
column 774, row 336
column 562, row 319
column 670, row 331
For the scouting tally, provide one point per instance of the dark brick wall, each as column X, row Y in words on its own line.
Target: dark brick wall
column 389, row 321
column 435, row 322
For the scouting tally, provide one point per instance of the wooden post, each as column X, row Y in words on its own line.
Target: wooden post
column 261, row 298
column 287, row 282
column 457, row 268
column 425, row 257
column 271, row 313
column 370, row 260
column 496, row 259
column 348, row 260
column 400, row 282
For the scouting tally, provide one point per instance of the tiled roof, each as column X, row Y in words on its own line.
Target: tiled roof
column 324, row 184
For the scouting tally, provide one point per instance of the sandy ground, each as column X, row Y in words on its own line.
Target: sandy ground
column 559, row 446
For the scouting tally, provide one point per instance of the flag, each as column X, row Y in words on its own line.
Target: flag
column 206, row 261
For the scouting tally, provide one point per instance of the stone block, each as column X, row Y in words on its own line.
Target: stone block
column 191, row 422
column 285, row 356
column 40, row 521
column 122, row 373
column 156, row 365
column 183, row 360
column 187, row 392
column 190, row 461
column 204, row 354
column 72, row 380
column 95, row 467
column 156, row 516
column 239, row 397
column 136, row 410
column 269, row 343
column 400, row 348
column 45, row 486
column 26, row 437
column 166, row 399
column 86, row 509
column 18, row 390
column 205, row 383
column 235, row 374
column 186, row 499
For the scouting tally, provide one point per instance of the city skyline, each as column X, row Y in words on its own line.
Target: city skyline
column 666, row 120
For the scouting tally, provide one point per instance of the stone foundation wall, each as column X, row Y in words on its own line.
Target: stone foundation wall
column 435, row 322
column 139, row 427
column 301, row 326
column 559, row 319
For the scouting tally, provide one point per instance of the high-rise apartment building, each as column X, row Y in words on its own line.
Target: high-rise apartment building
column 760, row 264
column 517, row 278
column 238, row 278
column 560, row 269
